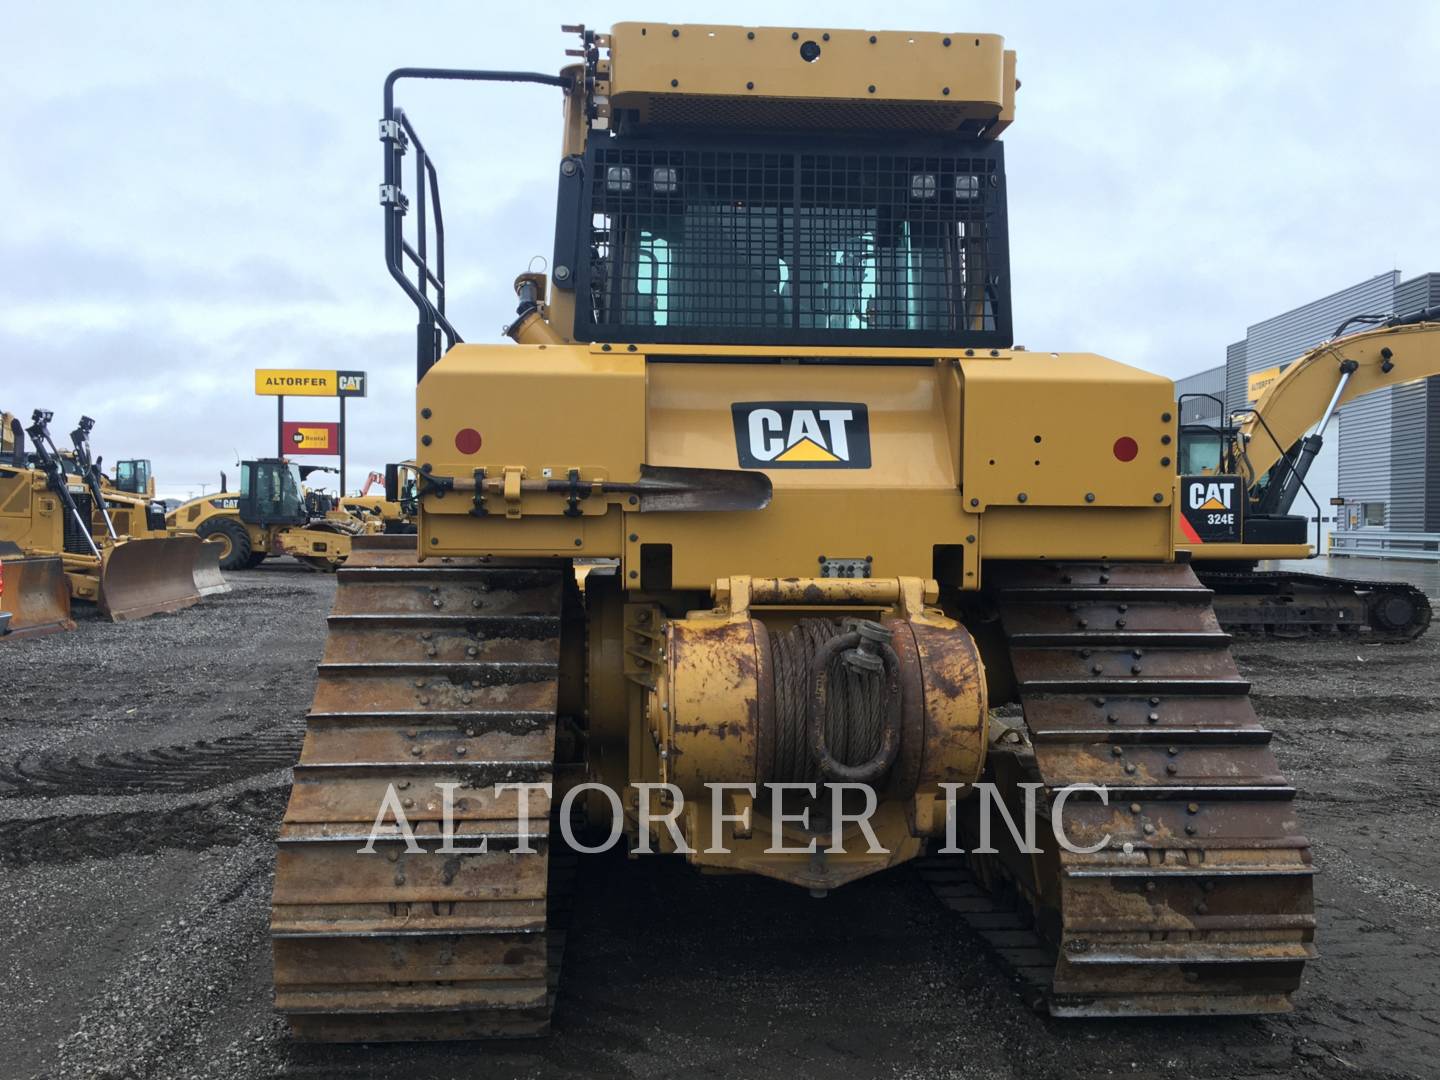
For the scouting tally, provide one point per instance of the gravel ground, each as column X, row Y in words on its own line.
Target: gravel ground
column 144, row 773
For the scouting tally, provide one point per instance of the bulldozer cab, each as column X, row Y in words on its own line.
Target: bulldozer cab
column 270, row 493
column 135, row 476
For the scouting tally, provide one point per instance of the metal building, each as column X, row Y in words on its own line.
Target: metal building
column 1382, row 452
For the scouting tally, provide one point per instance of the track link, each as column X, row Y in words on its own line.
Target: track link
column 1201, row 903
column 445, row 672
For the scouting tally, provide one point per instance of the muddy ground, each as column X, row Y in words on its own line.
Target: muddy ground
column 143, row 773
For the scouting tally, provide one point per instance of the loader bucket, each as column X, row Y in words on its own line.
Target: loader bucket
column 36, row 596
column 209, row 581
column 146, row 577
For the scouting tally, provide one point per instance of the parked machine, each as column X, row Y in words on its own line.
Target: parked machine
column 134, row 476
column 1241, row 481
column 34, row 595
column 52, row 505
column 271, row 514
column 832, row 516
column 126, row 506
column 381, row 512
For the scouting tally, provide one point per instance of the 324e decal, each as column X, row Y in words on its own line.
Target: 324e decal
column 1211, row 510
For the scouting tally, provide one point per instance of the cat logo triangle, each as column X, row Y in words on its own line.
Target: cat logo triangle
column 807, row 450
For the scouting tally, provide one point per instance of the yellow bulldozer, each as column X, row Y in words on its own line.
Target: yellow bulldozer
column 125, row 505
column 34, row 595
column 832, row 519
column 54, row 505
column 271, row 514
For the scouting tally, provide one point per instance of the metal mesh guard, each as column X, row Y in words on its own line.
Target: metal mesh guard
column 770, row 245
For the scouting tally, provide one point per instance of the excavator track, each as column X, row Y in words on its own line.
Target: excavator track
column 442, row 672
column 1283, row 603
column 1201, row 901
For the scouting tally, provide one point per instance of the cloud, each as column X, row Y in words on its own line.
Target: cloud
column 62, row 272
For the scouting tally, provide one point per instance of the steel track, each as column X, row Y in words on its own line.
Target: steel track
column 441, row 672
column 1201, row 903
column 1283, row 603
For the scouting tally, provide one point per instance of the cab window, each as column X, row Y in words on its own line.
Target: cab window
column 1200, row 451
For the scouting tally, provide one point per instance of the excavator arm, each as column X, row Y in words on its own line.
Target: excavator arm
column 1292, row 413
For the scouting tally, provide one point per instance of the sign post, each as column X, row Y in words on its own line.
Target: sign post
column 340, row 438
column 307, row 437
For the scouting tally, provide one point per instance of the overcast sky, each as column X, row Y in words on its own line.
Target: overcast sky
column 190, row 189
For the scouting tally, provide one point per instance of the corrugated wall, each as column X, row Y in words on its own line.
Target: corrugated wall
column 1366, row 426
column 1432, row 441
column 1415, row 502
column 1408, row 437
column 1236, row 374
column 1365, row 431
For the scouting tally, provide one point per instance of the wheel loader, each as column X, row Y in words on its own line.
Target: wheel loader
column 1240, row 482
column 271, row 514
column 860, row 570
column 54, row 506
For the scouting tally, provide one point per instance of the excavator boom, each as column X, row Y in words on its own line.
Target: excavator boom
column 1331, row 375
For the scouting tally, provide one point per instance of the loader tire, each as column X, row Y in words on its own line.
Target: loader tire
column 256, row 558
column 234, row 541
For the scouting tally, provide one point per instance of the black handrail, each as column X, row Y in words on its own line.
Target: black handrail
column 1289, row 467
column 434, row 333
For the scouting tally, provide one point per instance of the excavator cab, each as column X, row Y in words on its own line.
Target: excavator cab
column 270, row 493
column 1202, row 449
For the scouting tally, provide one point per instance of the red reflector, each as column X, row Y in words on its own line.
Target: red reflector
column 1126, row 448
column 467, row 441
